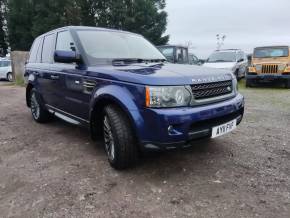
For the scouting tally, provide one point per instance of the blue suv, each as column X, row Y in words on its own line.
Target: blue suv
column 122, row 88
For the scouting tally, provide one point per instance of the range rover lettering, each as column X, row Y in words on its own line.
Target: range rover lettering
column 121, row 87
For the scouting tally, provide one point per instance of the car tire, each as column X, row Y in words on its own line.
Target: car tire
column 38, row 111
column 9, row 77
column 237, row 75
column 249, row 83
column 287, row 84
column 119, row 140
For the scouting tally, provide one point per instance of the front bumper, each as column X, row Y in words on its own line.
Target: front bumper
column 173, row 128
column 268, row 77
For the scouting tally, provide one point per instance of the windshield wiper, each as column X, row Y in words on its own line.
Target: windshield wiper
column 124, row 61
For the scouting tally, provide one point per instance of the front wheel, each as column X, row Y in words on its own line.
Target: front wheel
column 38, row 111
column 287, row 84
column 9, row 77
column 119, row 139
column 249, row 83
column 237, row 75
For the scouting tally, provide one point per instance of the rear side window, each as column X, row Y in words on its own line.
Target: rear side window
column 5, row 63
column 34, row 50
column 48, row 47
column 64, row 41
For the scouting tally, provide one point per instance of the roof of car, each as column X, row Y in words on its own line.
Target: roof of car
column 164, row 46
column 231, row 49
column 86, row 28
column 275, row 46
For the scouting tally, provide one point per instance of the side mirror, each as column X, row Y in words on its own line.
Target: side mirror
column 241, row 60
column 66, row 57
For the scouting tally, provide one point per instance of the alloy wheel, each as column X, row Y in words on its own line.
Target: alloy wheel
column 35, row 108
column 109, row 139
column 9, row 77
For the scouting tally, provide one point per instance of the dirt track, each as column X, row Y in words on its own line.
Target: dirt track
column 54, row 170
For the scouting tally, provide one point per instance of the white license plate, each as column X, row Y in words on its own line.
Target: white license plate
column 224, row 129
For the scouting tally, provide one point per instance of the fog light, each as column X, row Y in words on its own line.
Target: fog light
column 287, row 69
column 170, row 129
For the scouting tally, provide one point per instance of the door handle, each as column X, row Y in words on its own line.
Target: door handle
column 54, row 77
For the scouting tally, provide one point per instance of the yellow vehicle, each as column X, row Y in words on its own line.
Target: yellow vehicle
column 269, row 64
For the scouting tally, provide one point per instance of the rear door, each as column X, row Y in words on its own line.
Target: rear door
column 33, row 67
column 48, row 78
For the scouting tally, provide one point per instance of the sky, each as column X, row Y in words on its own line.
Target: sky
column 246, row 23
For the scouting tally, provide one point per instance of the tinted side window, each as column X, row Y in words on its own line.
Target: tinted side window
column 240, row 56
column 48, row 47
column 7, row 63
column 33, row 51
column 245, row 57
column 38, row 56
column 64, row 41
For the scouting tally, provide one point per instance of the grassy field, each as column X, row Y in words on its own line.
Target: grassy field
column 267, row 96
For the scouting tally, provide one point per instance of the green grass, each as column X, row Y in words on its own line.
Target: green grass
column 274, row 97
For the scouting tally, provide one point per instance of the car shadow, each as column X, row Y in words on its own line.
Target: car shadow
column 198, row 156
column 269, row 85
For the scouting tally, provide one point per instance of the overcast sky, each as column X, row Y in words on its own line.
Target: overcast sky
column 247, row 23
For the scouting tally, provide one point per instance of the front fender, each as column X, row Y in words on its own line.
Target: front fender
column 123, row 97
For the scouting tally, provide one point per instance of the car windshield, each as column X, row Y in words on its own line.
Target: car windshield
column 168, row 52
column 222, row 57
column 271, row 52
column 100, row 45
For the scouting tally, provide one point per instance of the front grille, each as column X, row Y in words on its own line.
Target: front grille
column 211, row 90
column 268, row 69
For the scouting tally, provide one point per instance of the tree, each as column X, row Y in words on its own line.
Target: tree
column 48, row 15
column 146, row 17
column 29, row 18
column 19, row 18
column 3, row 41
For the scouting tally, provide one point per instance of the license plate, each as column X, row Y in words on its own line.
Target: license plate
column 224, row 129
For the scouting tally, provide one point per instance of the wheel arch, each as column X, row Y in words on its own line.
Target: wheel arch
column 96, row 114
column 9, row 72
column 29, row 87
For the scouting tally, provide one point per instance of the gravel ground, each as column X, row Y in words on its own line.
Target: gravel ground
column 55, row 170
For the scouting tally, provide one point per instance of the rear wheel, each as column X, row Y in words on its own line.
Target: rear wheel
column 38, row 111
column 119, row 139
column 9, row 77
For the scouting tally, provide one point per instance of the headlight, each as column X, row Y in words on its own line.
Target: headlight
column 258, row 67
column 281, row 67
column 167, row 96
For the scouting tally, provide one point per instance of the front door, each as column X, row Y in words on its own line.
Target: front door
column 75, row 98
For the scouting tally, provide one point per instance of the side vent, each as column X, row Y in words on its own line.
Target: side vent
column 89, row 86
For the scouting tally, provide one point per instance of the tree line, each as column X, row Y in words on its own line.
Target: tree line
column 23, row 20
